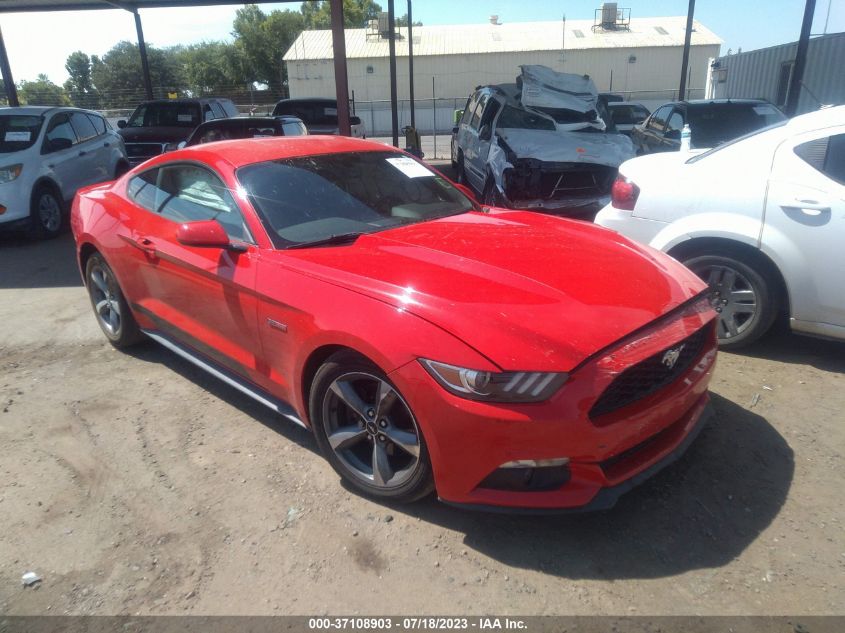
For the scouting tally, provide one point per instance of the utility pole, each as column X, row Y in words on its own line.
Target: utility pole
column 682, row 89
column 800, row 60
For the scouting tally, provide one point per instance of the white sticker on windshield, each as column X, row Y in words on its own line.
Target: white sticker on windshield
column 409, row 167
column 330, row 111
column 184, row 118
column 18, row 137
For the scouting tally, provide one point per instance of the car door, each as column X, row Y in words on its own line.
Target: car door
column 92, row 161
column 485, row 135
column 474, row 164
column 61, row 155
column 202, row 297
column 671, row 140
column 463, row 124
column 804, row 225
column 652, row 131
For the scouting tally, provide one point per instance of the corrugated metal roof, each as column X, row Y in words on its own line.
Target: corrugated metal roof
column 467, row 39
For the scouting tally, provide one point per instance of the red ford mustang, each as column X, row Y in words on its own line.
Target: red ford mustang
column 503, row 358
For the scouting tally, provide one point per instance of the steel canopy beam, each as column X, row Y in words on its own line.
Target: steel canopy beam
column 795, row 81
column 341, row 82
column 682, row 90
column 391, row 42
column 8, row 80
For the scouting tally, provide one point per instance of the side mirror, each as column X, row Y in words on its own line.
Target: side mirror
column 455, row 130
column 354, row 120
column 457, row 116
column 58, row 144
column 121, row 124
column 485, row 133
column 182, row 145
column 205, row 234
column 673, row 135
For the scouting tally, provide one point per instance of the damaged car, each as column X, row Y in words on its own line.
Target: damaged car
column 545, row 143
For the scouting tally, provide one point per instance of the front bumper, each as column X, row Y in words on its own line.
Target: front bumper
column 14, row 196
column 469, row 440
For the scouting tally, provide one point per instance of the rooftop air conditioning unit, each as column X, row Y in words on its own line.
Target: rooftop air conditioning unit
column 608, row 15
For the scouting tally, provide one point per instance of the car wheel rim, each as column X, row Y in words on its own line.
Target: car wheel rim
column 733, row 297
column 104, row 298
column 371, row 430
column 49, row 212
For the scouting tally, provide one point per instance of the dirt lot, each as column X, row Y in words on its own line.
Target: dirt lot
column 135, row 484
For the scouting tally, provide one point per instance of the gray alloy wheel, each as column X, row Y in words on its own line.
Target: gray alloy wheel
column 101, row 285
column 371, row 430
column 46, row 213
column 742, row 295
column 367, row 431
column 113, row 314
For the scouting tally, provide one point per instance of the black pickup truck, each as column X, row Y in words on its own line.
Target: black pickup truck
column 155, row 125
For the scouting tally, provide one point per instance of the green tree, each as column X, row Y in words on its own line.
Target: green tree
column 261, row 40
column 42, row 91
column 403, row 21
column 356, row 13
column 213, row 68
column 78, row 86
column 118, row 75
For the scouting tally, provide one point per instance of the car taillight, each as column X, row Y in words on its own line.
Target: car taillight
column 624, row 194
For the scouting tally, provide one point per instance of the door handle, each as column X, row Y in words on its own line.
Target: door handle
column 145, row 244
column 106, row 145
column 808, row 204
column 82, row 152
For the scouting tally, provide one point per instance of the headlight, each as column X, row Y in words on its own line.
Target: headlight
column 511, row 386
column 8, row 174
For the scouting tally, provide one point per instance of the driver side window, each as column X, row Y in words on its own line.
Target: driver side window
column 59, row 128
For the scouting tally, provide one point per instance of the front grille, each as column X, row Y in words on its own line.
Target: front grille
column 555, row 181
column 144, row 150
column 649, row 375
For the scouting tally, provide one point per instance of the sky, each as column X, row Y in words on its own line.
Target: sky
column 40, row 42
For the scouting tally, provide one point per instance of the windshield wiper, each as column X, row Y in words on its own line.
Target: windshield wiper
column 339, row 238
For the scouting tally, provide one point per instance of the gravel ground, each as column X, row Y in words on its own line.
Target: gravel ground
column 133, row 483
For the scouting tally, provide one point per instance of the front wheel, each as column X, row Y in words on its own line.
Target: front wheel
column 46, row 214
column 367, row 430
column 743, row 294
column 113, row 314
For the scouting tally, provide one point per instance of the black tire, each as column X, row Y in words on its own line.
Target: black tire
column 120, row 169
column 46, row 213
column 103, row 288
column 490, row 195
column 330, row 414
column 460, row 174
column 744, row 293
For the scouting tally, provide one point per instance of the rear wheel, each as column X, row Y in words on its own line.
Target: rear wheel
column 46, row 214
column 742, row 292
column 367, row 430
column 113, row 314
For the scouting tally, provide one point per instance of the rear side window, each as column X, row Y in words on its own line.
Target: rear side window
column 60, row 128
column 98, row 122
column 827, row 155
column 476, row 115
column 82, row 125
column 470, row 106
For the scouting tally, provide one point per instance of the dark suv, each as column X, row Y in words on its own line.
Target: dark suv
column 712, row 122
column 155, row 125
column 319, row 115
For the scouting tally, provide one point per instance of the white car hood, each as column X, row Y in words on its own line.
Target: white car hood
column 569, row 147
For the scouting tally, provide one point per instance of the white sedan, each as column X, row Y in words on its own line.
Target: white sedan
column 761, row 219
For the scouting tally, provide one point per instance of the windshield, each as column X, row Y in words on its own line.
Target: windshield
column 18, row 132
column 312, row 198
column 313, row 113
column 166, row 115
column 517, row 118
column 714, row 123
column 732, row 142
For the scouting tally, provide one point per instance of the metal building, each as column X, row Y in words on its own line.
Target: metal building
column 640, row 58
column 765, row 74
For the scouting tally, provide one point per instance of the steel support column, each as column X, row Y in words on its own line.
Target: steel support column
column 394, row 110
column 8, row 80
column 411, row 62
column 682, row 89
column 142, row 49
column 341, row 80
column 794, row 93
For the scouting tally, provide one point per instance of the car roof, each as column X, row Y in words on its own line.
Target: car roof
column 825, row 117
column 32, row 110
column 238, row 153
column 307, row 100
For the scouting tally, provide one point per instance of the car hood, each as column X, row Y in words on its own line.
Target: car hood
column 569, row 147
column 528, row 291
column 155, row 134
